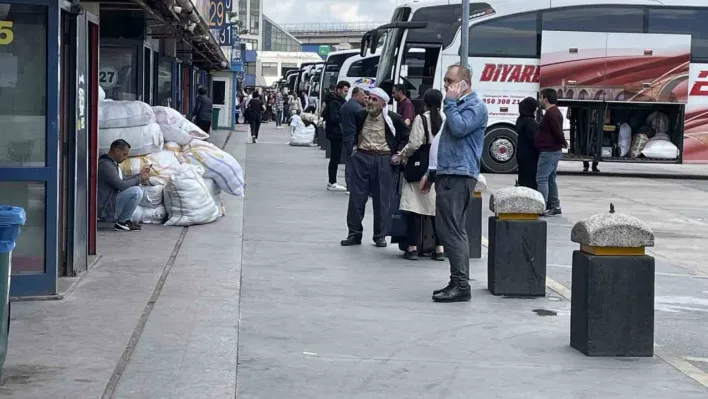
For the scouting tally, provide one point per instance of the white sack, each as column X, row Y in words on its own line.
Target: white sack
column 175, row 149
column 164, row 164
column 142, row 139
column 101, row 94
column 215, row 192
column 625, row 139
column 149, row 215
column 660, row 149
column 219, row 165
column 187, row 199
column 301, row 135
column 115, row 114
column 152, row 196
column 175, row 127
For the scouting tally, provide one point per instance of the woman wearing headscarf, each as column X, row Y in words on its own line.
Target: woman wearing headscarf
column 526, row 154
column 414, row 203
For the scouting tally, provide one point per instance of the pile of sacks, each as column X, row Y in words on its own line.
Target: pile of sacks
column 187, row 174
column 302, row 129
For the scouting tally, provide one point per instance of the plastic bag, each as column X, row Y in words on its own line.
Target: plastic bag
column 659, row 122
column 147, row 215
column 215, row 192
column 143, row 140
column 638, row 143
column 175, row 127
column 301, row 135
column 164, row 164
column 219, row 165
column 187, row 199
column 660, row 149
column 152, row 196
column 625, row 139
column 120, row 114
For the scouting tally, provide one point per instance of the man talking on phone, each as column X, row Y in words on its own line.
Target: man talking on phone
column 458, row 161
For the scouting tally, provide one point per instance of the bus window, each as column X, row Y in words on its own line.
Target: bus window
column 685, row 21
column 365, row 68
column 420, row 64
column 515, row 36
column 618, row 19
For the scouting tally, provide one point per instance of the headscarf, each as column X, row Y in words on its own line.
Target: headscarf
column 527, row 107
column 380, row 93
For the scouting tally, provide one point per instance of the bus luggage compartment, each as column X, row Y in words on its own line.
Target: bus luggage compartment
column 624, row 132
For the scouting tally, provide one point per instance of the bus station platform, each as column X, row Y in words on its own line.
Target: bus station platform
column 265, row 303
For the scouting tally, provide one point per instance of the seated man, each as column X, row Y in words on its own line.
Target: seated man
column 117, row 196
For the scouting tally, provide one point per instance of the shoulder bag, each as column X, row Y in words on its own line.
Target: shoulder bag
column 417, row 164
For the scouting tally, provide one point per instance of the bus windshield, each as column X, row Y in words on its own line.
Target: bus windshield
column 333, row 65
column 391, row 43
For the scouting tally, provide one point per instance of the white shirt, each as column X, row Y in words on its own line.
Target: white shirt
column 295, row 120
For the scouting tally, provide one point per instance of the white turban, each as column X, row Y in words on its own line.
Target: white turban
column 380, row 93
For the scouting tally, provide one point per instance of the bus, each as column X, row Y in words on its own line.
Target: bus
column 636, row 63
column 349, row 65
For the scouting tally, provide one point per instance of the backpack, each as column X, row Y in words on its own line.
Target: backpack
column 417, row 164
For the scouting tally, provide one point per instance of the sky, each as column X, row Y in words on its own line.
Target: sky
column 320, row 11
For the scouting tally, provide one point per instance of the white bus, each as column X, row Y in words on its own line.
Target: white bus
column 349, row 65
column 613, row 62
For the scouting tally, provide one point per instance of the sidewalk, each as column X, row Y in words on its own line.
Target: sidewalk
column 266, row 304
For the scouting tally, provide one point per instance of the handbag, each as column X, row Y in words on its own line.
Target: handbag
column 417, row 164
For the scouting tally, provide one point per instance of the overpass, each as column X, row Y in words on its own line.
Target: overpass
column 331, row 33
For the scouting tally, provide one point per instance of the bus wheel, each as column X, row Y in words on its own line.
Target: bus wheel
column 499, row 151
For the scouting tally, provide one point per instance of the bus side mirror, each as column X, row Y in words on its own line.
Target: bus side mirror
column 364, row 44
column 373, row 41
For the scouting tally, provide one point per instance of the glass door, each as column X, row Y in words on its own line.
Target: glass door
column 147, row 75
column 29, row 39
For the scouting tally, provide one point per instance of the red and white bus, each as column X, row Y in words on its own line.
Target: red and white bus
column 612, row 62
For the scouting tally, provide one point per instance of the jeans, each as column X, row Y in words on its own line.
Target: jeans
column 546, row 177
column 335, row 157
column 453, row 200
column 126, row 203
column 278, row 118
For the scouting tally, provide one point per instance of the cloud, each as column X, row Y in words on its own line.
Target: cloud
column 323, row 11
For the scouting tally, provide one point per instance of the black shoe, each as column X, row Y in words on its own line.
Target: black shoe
column 454, row 294
column 596, row 169
column 439, row 256
column 447, row 288
column 350, row 241
column 553, row 212
column 586, row 169
column 380, row 242
column 126, row 226
column 411, row 255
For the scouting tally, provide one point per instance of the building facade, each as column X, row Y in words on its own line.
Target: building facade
column 54, row 55
column 275, row 38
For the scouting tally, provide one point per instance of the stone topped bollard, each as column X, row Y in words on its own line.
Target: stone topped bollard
column 516, row 261
column 612, row 294
column 474, row 219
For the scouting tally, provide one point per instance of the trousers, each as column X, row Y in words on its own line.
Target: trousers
column 453, row 200
column 371, row 175
column 335, row 157
column 255, row 126
column 126, row 203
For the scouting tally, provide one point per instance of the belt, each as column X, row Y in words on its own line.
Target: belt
column 374, row 152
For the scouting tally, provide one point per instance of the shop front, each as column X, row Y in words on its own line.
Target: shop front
column 45, row 133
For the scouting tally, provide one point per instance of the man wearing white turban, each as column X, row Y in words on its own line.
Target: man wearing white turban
column 379, row 135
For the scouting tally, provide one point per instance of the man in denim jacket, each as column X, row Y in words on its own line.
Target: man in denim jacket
column 458, row 162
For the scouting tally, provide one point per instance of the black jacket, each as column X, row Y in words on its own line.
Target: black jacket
column 202, row 108
column 332, row 116
column 395, row 143
column 526, row 153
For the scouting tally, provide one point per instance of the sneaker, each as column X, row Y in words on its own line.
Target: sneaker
column 127, row 226
column 254, row 140
column 121, row 226
column 335, row 187
column 438, row 256
column 411, row 255
column 134, row 226
column 553, row 212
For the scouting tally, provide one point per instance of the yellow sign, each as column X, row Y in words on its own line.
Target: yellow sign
column 6, row 34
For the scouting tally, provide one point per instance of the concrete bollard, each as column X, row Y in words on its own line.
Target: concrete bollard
column 612, row 294
column 516, row 260
column 474, row 219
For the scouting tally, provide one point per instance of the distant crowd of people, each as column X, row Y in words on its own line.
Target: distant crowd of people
column 256, row 108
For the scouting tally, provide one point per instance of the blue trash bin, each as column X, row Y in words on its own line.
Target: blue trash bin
column 11, row 218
